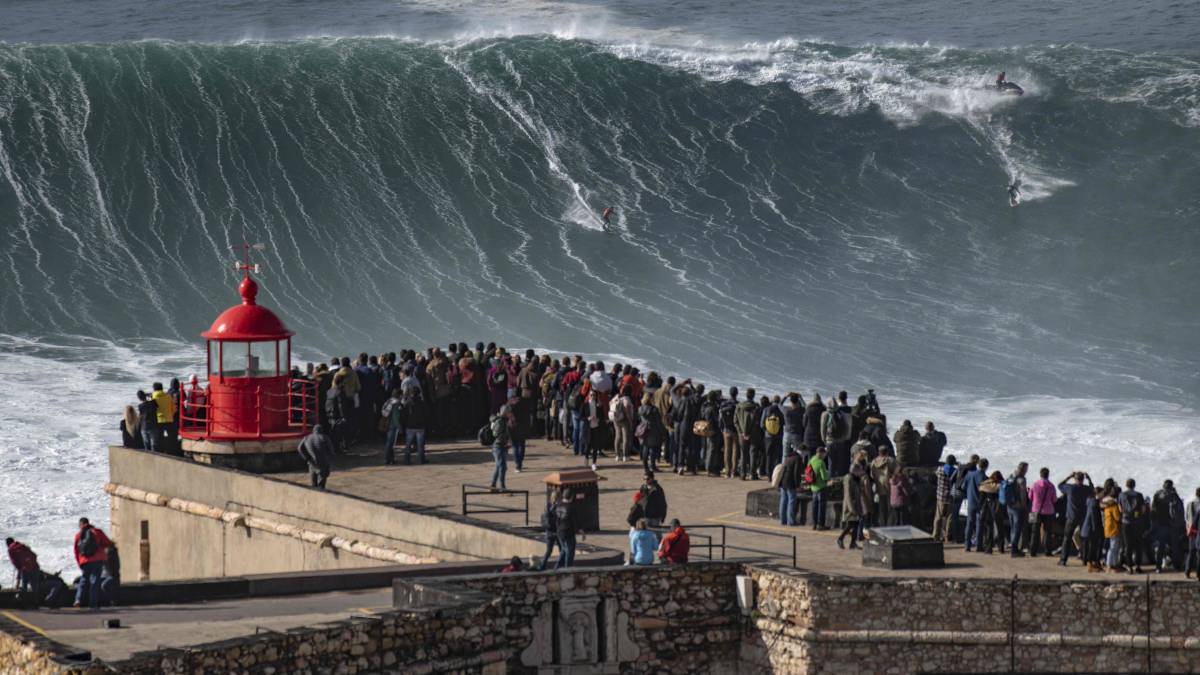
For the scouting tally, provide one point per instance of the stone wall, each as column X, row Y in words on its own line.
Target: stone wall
column 821, row 624
column 684, row 619
column 24, row 651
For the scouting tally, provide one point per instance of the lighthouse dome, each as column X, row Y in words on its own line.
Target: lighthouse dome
column 247, row 321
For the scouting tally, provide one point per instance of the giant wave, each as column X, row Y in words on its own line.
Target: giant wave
column 789, row 214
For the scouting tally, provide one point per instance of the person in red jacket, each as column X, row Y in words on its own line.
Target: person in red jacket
column 29, row 573
column 91, row 550
column 675, row 545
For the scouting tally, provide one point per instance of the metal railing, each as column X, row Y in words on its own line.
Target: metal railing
column 198, row 415
column 469, row 491
column 726, row 546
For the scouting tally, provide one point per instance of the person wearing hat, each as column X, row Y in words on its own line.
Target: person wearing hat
column 945, row 504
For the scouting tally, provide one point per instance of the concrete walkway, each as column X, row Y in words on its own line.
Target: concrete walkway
column 702, row 503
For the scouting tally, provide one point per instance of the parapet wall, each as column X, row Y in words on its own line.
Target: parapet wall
column 206, row 521
column 821, row 624
column 686, row 619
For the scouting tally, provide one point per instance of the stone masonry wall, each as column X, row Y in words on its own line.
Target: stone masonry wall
column 820, row 624
column 684, row 619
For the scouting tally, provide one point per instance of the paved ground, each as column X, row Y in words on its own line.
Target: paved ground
column 702, row 503
column 154, row 626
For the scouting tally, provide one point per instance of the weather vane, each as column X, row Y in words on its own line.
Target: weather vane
column 244, row 265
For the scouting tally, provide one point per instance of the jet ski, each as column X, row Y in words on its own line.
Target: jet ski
column 1011, row 88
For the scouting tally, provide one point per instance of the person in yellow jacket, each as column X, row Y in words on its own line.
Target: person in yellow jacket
column 167, row 426
column 1112, row 531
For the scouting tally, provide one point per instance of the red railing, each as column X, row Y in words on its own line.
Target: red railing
column 200, row 418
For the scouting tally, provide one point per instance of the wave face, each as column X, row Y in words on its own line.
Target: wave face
column 786, row 212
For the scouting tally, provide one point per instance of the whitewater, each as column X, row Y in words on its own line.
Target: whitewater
column 791, row 214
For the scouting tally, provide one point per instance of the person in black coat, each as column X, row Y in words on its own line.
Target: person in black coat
column 812, row 422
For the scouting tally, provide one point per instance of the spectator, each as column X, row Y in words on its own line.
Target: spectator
column 817, row 476
column 882, row 468
column 131, row 435
column 856, row 504
column 1193, row 536
column 148, row 422
column 515, row 564
column 933, row 442
column 567, row 521
column 91, row 550
column 642, row 543
column 317, row 451
column 971, row 489
column 900, row 496
column 1112, row 530
column 392, row 411
column 655, row 500
column 1017, row 503
column 1042, row 497
column 908, row 444
column 789, row 484
column 165, row 411
column 1076, row 493
column 958, row 482
column 29, row 573
column 989, row 509
column 1133, row 508
column 416, row 418
column 1092, row 530
column 501, row 429
column 943, row 512
column 675, row 545
column 549, row 523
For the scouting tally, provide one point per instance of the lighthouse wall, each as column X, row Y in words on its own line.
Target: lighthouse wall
column 206, row 521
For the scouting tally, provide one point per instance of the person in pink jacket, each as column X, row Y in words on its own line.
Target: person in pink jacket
column 1042, row 496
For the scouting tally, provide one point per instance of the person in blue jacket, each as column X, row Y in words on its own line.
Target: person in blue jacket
column 642, row 544
column 971, row 490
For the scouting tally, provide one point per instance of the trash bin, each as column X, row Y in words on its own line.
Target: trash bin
column 585, row 485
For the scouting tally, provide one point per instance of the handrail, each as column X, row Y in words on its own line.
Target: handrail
column 727, row 546
column 482, row 490
column 197, row 411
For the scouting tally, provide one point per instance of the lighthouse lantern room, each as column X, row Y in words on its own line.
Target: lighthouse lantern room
column 250, row 394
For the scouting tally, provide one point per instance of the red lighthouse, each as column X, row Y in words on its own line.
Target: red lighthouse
column 250, row 404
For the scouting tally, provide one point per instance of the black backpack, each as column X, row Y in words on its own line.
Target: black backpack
column 835, row 424
column 485, row 436
column 549, row 518
column 575, row 398
column 958, row 481
column 728, row 412
column 87, row 543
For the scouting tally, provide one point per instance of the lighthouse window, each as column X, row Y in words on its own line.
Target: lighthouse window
column 262, row 359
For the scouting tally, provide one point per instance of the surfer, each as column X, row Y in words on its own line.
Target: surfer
column 605, row 215
column 1014, row 193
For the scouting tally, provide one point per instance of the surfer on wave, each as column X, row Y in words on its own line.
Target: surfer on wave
column 605, row 215
column 1014, row 193
column 1005, row 86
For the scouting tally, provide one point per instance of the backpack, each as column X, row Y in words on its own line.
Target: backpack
column 485, row 436
column 620, row 414
column 1008, row 492
column 549, row 518
column 87, row 543
column 777, row 476
column 727, row 416
column 575, row 398
column 957, row 483
column 641, row 430
column 773, row 424
column 835, row 426
column 497, row 425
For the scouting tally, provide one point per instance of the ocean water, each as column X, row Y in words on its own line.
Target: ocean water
column 808, row 198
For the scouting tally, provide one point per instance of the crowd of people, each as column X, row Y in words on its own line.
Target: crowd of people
column 804, row 448
column 1105, row 526
column 99, row 580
